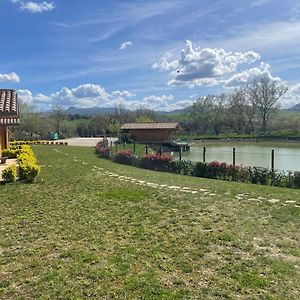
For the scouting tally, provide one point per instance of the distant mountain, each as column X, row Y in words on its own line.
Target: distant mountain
column 91, row 111
column 295, row 107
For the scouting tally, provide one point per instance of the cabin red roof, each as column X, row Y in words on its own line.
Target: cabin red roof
column 9, row 110
column 173, row 126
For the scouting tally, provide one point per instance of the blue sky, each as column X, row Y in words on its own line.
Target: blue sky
column 157, row 54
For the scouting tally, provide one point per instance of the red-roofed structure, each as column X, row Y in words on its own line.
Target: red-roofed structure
column 9, row 115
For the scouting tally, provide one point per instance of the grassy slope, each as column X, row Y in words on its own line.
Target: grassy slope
column 79, row 233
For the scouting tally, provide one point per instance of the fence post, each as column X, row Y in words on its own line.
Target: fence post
column 111, row 144
column 116, row 147
column 180, row 153
column 272, row 160
column 146, row 149
column 204, row 151
column 159, row 151
column 233, row 156
column 124, row 145
column 133, row 147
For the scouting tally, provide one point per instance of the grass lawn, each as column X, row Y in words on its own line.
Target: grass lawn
column 89, row 228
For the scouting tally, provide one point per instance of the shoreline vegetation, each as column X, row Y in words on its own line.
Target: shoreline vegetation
column 272, row 136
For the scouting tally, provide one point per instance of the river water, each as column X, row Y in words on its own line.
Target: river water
column 287, row 155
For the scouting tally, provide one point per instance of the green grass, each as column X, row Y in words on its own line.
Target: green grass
column 77, row 233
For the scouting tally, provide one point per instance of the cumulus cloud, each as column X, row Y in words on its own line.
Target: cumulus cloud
column 85, row 95
column 11, row 77
column 251, row 75
column 292, row 97
column 25, row 96
column 122, row 94
column 208, row 66
column 35, row 7
column 91, row 95
column 125, row 45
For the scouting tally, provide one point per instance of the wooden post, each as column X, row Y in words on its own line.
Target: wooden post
column 272, row 160
column 146, row 149
column 180, row 153
column 124, row 145
column 159, row 151
column 116, row 147
column 133, row 147
column 111, row 144
column 233, row 156
column 204, row 151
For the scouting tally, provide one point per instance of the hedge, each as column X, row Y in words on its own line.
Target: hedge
column 214, row 169
column 28, row 165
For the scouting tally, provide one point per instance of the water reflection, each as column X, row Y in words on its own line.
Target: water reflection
column 287, row 155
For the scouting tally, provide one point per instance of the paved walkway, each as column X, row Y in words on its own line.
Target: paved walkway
column 89, row 142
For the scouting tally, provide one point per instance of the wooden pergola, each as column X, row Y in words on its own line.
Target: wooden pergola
column 151, row 133
column 9, row 115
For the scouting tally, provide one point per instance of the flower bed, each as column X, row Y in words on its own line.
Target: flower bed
column 213, row 170
column 28, row 166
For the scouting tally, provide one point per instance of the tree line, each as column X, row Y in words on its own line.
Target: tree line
column 252, row 109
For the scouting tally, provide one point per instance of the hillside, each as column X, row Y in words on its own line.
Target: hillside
column 295, row 107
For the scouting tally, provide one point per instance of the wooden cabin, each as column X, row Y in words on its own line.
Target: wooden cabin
column 9, row 115
column 151, row 133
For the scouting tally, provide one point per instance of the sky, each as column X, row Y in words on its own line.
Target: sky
column 158, row 54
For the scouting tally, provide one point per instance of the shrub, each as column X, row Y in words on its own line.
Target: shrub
column 10, row 153
column 242, row 175
column 29, row 168
column 103, row 152
column 9, row 174
column 259, row 175
column 213, row 169
column 183, row 167
column 156, row 162
column 124, row 157
column 296, row 179
column 200, row 170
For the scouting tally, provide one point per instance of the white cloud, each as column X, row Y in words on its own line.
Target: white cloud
column 25, row 96
column 260, row 2
column 122, row 94
column 125, row 45
column 34, row 7
column 250, row 75
column 85, row 95
column 157, row 101
column 11, row 77
column 208, row 66
column 91, row 95
column 292, row 97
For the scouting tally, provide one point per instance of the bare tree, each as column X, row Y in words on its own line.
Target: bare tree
column 241, row 111
column 264, row 95
column 59, row 114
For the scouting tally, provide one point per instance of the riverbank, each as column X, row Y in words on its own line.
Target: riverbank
column 274, row 136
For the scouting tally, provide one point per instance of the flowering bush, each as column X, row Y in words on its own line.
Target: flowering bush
column 9, row 174
column 214, row 169
column 104, row 152
column 156, row 162
column 124, row 157
column 29, row 168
